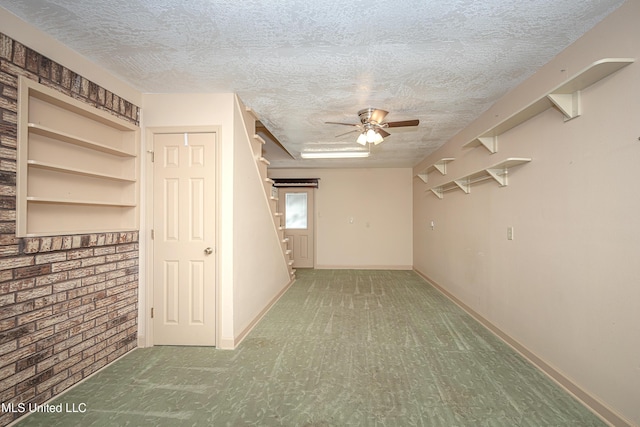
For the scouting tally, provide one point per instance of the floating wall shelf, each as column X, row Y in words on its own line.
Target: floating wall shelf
column 440, row 166
column 565, row 97
column 499, row 172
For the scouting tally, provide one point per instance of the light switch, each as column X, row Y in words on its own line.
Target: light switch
column 509, row 233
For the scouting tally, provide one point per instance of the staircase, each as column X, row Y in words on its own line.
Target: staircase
column 271, row 192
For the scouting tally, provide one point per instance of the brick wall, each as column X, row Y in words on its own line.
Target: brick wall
column 68, row 304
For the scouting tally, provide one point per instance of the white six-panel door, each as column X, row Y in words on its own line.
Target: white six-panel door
column 184, row 239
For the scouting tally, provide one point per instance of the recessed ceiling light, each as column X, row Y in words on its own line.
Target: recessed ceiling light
column 334, row 154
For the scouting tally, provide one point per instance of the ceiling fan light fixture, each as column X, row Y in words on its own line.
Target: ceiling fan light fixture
column 372, row 126
column 370, row 136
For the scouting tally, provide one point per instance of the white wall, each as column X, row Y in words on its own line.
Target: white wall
column 260, row 269
column 251, row 267
column 567, row 288
column 204, row 110
column 380, row 203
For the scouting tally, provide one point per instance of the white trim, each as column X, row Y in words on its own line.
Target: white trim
column 592, row 403
column 363, row 267
column 242, row 335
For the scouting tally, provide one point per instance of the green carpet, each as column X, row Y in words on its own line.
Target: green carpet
column 340, row 348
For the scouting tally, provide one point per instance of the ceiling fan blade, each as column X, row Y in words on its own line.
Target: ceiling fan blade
column 378, row 115
column 347, row 133
column 345, row 124
column 383, row 133
column 415, row 122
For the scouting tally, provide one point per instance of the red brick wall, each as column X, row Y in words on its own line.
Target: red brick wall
column 68, row 304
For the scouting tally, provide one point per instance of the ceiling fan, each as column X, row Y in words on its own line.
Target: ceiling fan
column 372, row 126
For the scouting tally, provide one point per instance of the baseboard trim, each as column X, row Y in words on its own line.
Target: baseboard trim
column 592, row 403
column 226, row 344
column 364, row 267
column 238, row 339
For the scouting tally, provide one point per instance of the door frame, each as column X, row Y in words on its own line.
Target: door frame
column 145, row 298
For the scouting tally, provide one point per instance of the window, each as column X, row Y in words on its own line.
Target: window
column 296, row 211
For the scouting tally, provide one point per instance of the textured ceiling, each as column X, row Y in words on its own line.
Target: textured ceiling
column 298, row 63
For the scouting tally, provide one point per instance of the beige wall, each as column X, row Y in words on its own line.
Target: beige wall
column 201, row 110
column 260, row 270
column 567, row 288
column 380, row 203
column 250, row 265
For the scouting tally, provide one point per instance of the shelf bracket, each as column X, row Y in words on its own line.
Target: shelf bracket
column 500, row 175
column 489, row 142
column 464, row 184
column 440, row 166
column 438, row 191
column 567, row 103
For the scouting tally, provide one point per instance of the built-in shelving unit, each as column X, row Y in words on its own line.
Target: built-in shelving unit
column 498, row 172
column 565, row 97
column 440, row 166
column 77, row 168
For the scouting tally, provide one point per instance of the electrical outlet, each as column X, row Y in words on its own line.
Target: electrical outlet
column 509, row 233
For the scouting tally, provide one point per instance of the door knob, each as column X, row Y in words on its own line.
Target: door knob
column 208, row 251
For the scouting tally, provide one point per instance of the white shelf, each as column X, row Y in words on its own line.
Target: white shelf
column 59, row 201
column 498, row 172
column 77, row 166
column 565, row 97
column 440, row 166
column 71, row 139
column 74, row 171
column 79, row 231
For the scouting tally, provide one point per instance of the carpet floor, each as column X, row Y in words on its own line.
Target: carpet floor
column 340, row 348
